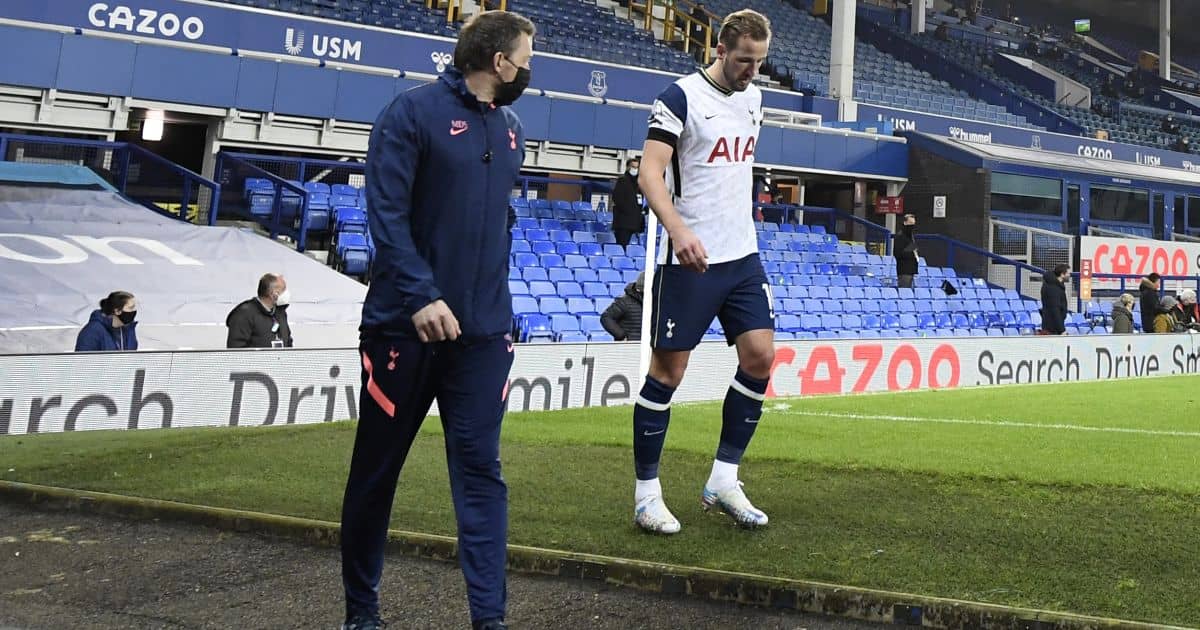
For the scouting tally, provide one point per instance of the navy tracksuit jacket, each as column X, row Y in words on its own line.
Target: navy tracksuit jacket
column 440, row 169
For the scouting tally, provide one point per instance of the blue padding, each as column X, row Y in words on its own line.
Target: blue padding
column 360, row 97
column 305, row 91
column 38, row 52
column 158, row 74
column 256, row 84
column 534, row 112
column 769, row 149
column 96, row 66
column 573, row 122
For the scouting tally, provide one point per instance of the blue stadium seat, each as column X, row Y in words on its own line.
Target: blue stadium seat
column 590, row 249
column 539, row 289
column 595, row 290
column 517, row 288
column 534, row 274
column 347, row 219
column 581, row 306
column 541, row 247
column 569, row 289
column 353, row 254
column 559, row 274
column 536, row 326
column 552, row 305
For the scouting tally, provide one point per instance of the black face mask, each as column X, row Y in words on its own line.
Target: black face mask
column 128, row 317
column 508, row 93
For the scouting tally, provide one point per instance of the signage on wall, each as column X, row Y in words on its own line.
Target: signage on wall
column 939, row 207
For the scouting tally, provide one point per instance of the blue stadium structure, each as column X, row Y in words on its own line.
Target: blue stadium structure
column 1003, row 122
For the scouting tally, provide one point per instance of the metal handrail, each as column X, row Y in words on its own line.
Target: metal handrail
column 188, row 175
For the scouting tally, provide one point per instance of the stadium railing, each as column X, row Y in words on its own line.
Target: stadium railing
column 287, row 213
column 1129, row 283
column 852, row 228
column 135, row 172
column 967, row 260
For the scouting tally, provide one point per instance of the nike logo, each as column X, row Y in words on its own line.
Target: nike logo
column 455, row 132
column 652, row 434
column 749, row 421
column 711, row 116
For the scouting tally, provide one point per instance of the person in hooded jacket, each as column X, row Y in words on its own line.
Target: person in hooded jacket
column 1164, row 321
column 1122, row 315
column 112, row 327
column 262, row 321
column 1148, row 292
column 623, row 318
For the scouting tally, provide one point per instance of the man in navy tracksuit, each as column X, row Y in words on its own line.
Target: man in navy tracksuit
column 442, row 162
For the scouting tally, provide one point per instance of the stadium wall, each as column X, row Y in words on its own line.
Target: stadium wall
column 968, row 199
column 78, row 392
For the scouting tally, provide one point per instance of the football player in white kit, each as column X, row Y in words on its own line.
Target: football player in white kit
column 703, row 129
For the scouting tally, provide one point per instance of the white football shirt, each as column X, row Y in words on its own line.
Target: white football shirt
column 711, row 176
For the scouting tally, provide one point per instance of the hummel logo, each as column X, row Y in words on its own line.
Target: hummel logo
column 457, row 127
column 654, row 433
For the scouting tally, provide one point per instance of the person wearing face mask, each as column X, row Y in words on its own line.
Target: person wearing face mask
column 441, row 162
column 262, row 321
column 112, row 327
column 628, row 218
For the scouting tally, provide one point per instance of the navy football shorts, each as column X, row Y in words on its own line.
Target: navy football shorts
column 684, row 302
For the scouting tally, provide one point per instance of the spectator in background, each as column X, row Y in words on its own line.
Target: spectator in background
column 623, row 318
column 698, row 35
column 1187, row 312
column 1148, row 303
column 1054, row 301
column 1122, row 315
column 628, row 218
column 112, row 327
column 1183, row 145
column 262, row 321
column 1164, row 319
column 1169, row 125
column 904, row 249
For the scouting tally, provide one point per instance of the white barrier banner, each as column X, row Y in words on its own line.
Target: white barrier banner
column 77, row 392
column 1136, row 258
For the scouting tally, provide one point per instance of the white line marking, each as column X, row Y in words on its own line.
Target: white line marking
column 996, row 423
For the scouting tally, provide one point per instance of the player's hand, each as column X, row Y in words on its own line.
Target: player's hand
column 689, row 251
column 435, row 322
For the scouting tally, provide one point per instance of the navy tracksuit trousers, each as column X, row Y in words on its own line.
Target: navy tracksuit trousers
column 400, row 379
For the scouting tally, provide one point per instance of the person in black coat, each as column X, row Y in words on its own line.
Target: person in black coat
column 1148, row 300
column 261, row 321
column 1054, row 301
column 628, row 218
column 904, row 248
column 623, row 318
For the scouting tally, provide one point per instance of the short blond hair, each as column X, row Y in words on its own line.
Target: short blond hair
column 1126, row 299
column 746, row 22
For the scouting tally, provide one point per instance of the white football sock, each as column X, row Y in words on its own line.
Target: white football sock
column 724, row 476
column 648, row 488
